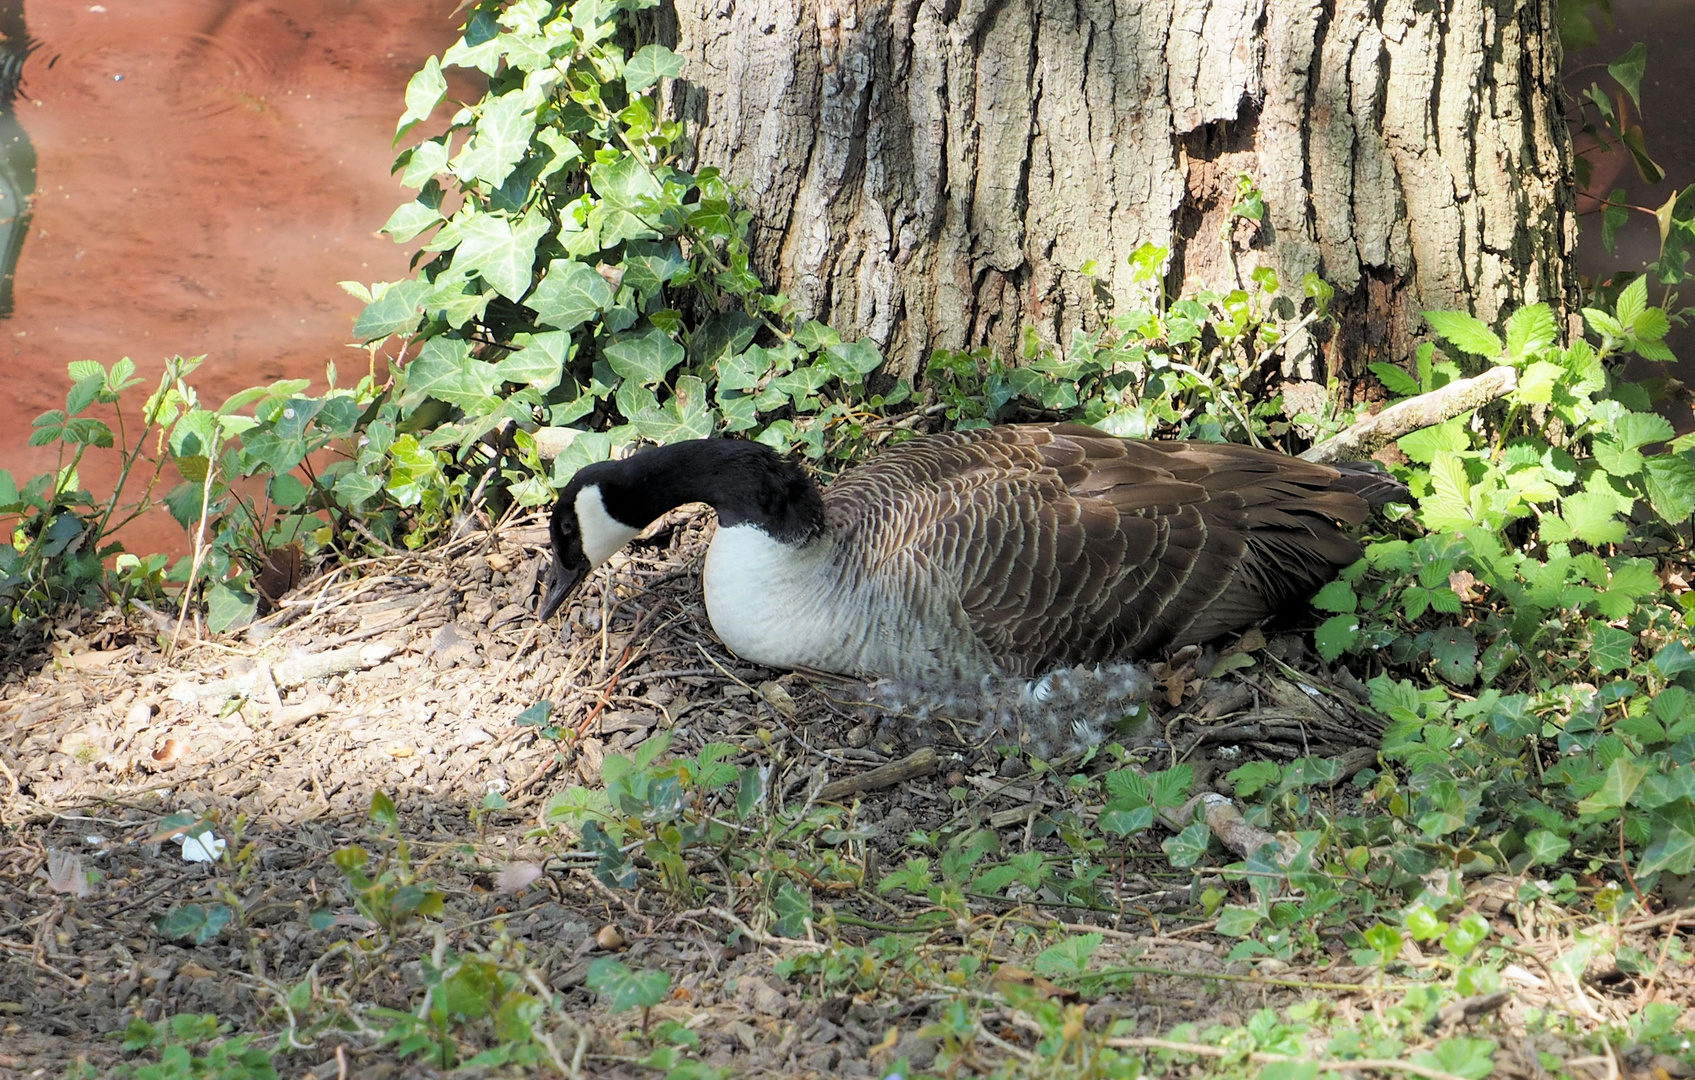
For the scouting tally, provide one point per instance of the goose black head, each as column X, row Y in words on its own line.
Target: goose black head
column 584, row 531
column 609, row 503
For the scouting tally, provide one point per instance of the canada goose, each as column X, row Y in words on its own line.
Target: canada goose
column 999, row 551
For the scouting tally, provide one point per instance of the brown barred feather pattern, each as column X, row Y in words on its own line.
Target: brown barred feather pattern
column 1059, row 545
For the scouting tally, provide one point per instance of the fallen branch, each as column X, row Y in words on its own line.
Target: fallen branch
column 919, row 763
column 287, row 673
column 1426, row 410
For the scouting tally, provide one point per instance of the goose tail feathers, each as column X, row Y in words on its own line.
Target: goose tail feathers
column 1371, row 482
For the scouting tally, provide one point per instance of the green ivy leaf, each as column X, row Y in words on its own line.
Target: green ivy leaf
column 1609, row 648
column 1672, row 848
column 229, row 605
column 1624, row 776
column 1545, row 848
column 1673, row 659
column 395, row 311
column 1453, row 651
column 650, row 64
column 504, row 254
column 503, row 135
column 410, row 219
column 446, row 370
column 1237, row 922
column 644, row 358
column 424, row 92
column 539, row 361
column 571, row 294
column 1628, row 69
column 1187, row 847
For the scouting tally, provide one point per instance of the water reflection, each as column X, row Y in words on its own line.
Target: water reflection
column 205, row 172
column 17, row 155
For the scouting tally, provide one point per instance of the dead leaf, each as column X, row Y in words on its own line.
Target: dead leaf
column 499, row 563
column 169, row 752
column 1012, row 973
column 514, row 876
column 279, row 574
column 778, row 696
column 1464, row 585
column 64, row 873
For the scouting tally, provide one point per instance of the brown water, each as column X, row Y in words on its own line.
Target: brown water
column 207, row 171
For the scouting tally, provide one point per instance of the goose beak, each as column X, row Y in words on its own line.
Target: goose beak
column 561, row 581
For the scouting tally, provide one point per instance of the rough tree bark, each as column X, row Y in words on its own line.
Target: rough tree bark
column 937, row 172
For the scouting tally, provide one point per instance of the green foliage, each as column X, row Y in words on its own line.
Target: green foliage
column 1196, row 368
column 221, row 1056
column 386, row 889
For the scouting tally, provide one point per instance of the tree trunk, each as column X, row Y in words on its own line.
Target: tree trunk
column 935, row 174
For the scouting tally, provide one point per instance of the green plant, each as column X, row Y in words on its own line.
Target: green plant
column 390, row 893
column 223, row 1056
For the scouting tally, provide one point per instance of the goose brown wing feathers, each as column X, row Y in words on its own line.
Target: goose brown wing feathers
column 1066, row 545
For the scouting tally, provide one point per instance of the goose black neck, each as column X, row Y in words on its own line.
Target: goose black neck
column 746, row 482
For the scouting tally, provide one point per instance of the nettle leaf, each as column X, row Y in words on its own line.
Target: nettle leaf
column 1394, row 380
column 1592, row 517
column 1536, row 384
column 1068, row 957
column 1670, row 483
column 503, row 135
column 1465, row 332
column 1336, row 635
column 650, row 64
column 1632, row 301
column 571, row 294
column 504, row 254
column 424, row 92
column 644, row 358
column 623, row 989
column 1423, row 445
column 1530, row 330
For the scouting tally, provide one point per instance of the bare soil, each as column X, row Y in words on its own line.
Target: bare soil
column 407, row 680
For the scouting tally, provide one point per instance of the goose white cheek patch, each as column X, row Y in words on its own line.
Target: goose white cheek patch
column 602, row 534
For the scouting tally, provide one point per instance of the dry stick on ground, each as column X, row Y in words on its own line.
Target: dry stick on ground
column 1426, row 410
column 1203, row 1050
column 921, row 762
